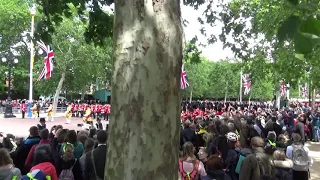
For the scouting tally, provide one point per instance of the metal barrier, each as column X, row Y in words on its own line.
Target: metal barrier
column 16, row 110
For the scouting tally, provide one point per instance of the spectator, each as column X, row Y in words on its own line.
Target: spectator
column 255, row 162
column 96, row 159
column 7, row 170
column 88, row 146
column 83, row 136
column 44, row 135
column 189, row 164
column 215, row 169
column 42, row 124
column 24, row 149
column 78, row 146
column 282, row 165
column 43, row 160
column 68, row 162
column 299, row 154
column 187, row 134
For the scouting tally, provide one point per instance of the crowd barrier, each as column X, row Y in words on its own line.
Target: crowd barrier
column 16, row 110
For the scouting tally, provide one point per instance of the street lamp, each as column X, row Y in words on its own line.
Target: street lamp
column 10, row 61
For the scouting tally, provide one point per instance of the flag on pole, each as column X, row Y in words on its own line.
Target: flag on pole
column 304, row 91
column 48, row 61
column 283, row 89
column 183, row 77
column 246, row 83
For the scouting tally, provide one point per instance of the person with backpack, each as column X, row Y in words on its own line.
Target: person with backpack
column 69, row 165
column 190, row 168
column 299, row 154
column 44, row 135
column 43, row 161
column 232, row 157
column 256, row 166
column 36, row 175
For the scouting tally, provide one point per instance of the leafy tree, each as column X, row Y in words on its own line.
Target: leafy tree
column 14, row 19
column 77, row 63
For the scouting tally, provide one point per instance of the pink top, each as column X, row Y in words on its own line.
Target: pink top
column 188, row 167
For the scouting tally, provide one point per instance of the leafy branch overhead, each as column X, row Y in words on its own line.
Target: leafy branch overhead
column 100, row 23
column 302, row 27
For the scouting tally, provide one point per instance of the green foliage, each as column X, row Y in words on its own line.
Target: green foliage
column 99, row 26
column 191, row 52
column 81, row 62
column 217, row 80
column 15, row 19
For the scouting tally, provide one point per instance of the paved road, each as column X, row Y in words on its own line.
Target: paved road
column 315, row 154
column 19, row 127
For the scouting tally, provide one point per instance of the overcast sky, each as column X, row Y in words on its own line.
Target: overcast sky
column 213, row 52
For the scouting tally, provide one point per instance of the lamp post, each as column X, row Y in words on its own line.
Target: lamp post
column 33, row 13
column 10, row 61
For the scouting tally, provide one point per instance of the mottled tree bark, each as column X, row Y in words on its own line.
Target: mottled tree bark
column 58, row 90
column 144, row 128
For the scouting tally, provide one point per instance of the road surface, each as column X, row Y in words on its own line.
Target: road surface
column 19, row 127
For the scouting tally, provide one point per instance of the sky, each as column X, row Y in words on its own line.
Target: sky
column 213, row 52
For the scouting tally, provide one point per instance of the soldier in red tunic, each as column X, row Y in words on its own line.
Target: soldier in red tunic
column 81, row 109
column 72, row 109
column 76, row 110
column 99, row 108
column 23, row 108
column 93, row 112
column 108, row 111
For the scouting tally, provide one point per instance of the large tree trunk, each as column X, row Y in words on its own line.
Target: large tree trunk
column 313, row 96
column 145, row 126
column 58, row 90
column 83, row 93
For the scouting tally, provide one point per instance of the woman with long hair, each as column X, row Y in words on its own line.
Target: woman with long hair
column 7, row 170
column 189, row 165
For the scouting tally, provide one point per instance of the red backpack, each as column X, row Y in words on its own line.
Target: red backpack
column 188, row 175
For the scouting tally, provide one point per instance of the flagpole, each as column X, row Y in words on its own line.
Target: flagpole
column 190, row 97
column 288, row 91
column 299, row 87
column 240, row 90
column 33, row 13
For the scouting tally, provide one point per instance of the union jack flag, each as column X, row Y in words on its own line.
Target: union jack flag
column 304, row 91
column 48, row 61
column 246, row 83
column 184, row 80
column 283, row 89
column 247, row 86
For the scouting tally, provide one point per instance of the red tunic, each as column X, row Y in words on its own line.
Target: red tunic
column 108, row 108
column 23, row 107
column 76, row 107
